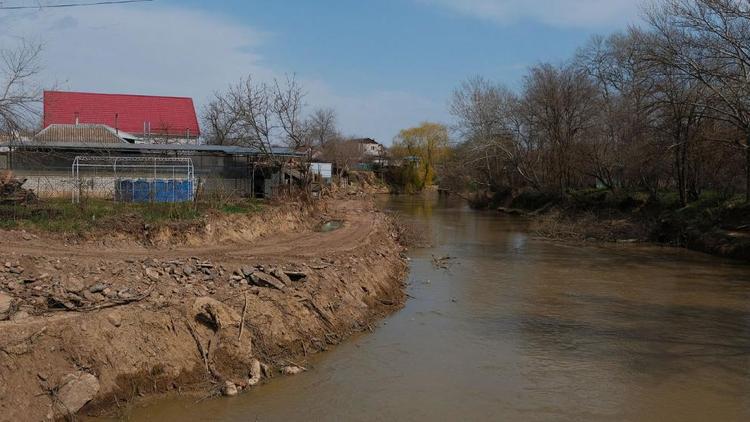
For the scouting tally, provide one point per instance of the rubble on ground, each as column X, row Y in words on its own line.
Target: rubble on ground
column 54, row 286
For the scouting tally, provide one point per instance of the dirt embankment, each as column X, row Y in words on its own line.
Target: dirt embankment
column 88, row 327
column 713, row 224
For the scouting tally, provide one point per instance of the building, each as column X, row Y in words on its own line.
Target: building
column 143, row 118
column 82, row 134
column 369, row 147
column 93, row 142
column 218, row 170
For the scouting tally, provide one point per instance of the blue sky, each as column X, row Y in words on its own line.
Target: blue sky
column 382, row 64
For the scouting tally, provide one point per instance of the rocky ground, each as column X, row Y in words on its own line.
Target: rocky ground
column 90, row 326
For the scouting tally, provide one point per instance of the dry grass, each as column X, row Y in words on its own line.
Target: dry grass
column 586, row 226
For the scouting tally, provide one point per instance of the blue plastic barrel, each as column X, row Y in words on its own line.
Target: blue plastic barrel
column 170, row 190
column 141, row 191
column 163, row 190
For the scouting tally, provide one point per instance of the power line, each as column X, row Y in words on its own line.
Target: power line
column 56, row 6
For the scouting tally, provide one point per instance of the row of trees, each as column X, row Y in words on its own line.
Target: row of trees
column 661, row 107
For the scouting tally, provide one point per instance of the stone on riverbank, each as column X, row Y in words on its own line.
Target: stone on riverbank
column 76, row 390
column 266, row 280
column 229, row 389
column 5, row 304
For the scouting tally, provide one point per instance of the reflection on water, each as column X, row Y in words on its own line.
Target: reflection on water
column 525, row 329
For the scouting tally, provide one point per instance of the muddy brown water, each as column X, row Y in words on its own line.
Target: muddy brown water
column 524, row 329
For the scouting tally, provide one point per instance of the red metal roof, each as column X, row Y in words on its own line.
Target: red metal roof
column 170, row 116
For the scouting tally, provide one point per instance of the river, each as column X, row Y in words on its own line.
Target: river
column 518, row 328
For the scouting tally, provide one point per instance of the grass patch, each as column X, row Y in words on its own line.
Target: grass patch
column 60, row 215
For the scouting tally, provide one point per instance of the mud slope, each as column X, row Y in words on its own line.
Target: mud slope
column 98, row 326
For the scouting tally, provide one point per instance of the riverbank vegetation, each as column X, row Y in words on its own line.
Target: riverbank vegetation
column 651, row 125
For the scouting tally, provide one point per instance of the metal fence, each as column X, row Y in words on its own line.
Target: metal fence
column 49, row 173
column 134, row 179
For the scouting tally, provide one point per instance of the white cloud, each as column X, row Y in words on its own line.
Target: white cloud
column 152, row 50
column 168, row 50
column 558, row 13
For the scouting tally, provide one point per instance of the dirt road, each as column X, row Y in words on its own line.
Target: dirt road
column 357, row 228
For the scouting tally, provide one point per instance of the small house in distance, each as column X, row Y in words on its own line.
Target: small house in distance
column 369, row 147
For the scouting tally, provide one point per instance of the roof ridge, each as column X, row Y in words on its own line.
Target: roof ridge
column 117, row 94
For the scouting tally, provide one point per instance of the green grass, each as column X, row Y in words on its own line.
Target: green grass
column 60, row 215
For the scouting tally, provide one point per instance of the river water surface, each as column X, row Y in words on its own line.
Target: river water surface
column 529, row 330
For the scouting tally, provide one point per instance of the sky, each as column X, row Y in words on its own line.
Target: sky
column 383, row 65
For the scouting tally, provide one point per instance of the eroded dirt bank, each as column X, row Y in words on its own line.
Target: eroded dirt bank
column 88, row 327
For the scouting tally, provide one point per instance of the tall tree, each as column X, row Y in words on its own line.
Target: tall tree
column 486, row 119
column 709, row 40
column 623, row 84
column 559, row 105
column 321, row 128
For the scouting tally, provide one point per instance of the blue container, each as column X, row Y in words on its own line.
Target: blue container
column 141, row 191
column 165, row 190
column 170, row 190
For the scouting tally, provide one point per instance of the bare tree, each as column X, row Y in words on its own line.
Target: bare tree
column 623, row 83
column 257, row 114
column 709, row 40
column 19, row 92
column 679, row 104
column 560, row 107
column 343, row 153
column 488, row 121
column 321, row 128
column 220, row 125
column 288, row 106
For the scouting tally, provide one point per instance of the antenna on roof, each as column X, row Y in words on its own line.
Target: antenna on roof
column 117, row 127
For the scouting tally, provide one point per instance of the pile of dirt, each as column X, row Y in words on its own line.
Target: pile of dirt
column 357, row 184
column 85, row 329
column 12, row 191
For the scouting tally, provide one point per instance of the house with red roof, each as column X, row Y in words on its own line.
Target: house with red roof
column 142, row 118
column 90, row 142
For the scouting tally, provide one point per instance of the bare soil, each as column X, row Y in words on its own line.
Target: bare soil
column 127, row 315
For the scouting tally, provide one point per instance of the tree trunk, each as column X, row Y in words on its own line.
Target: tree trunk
column 747, row 168
column 680, row 170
